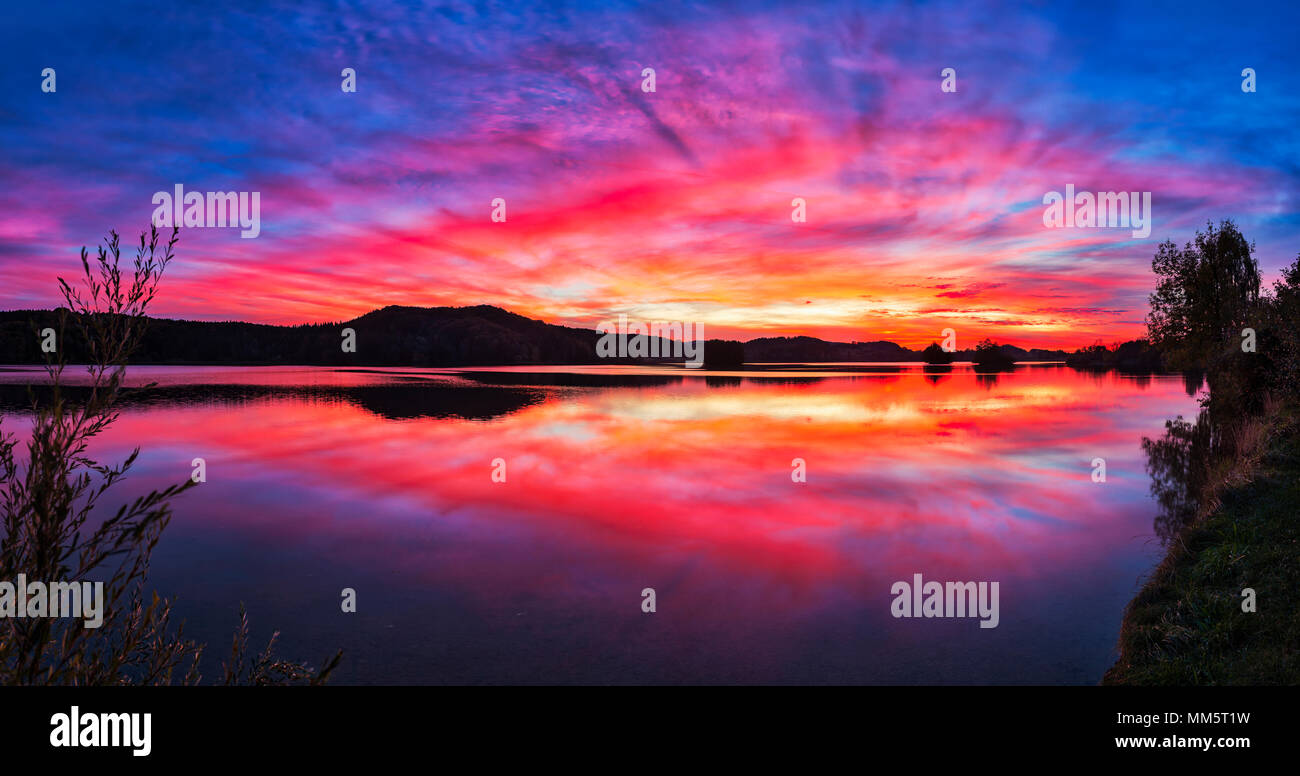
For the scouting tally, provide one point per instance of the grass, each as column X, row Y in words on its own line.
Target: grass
column 1186, row 626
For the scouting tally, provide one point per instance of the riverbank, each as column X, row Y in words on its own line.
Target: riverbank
column 1187, row 625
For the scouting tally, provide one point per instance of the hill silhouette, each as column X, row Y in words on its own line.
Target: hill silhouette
column 481, row 335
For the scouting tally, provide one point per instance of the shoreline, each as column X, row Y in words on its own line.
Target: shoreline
column 1189, row 624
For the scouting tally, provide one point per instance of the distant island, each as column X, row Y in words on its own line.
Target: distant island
column 484, row 335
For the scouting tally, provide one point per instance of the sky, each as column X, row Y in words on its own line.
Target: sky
column 924, row 207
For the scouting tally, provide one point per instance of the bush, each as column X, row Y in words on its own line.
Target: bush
column 933, row 354
column 47, row 500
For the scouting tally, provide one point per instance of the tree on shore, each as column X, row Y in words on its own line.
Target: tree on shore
column 989, row 356
column 1210, row 317
column 1208, row 313
column 933, row 354
column 1284, row 321
column 1206, row 293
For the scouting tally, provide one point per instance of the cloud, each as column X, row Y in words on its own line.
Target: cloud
column 678, row 199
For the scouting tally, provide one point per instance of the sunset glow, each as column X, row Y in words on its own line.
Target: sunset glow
column 924, row 208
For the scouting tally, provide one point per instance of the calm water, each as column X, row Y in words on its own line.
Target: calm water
column 619, row 479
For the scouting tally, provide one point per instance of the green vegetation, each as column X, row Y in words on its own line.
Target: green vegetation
column 1206, row 293
column 1228, row 485
column 1187, row 626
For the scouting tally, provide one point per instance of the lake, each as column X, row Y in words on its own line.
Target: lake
column 618, row 479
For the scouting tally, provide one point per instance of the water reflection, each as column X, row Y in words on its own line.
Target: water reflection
column 1180, row 462
column 621, row 479
column 396, row 401
column 1177, row 463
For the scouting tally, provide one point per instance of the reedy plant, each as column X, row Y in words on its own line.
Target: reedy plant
column 48, row 499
